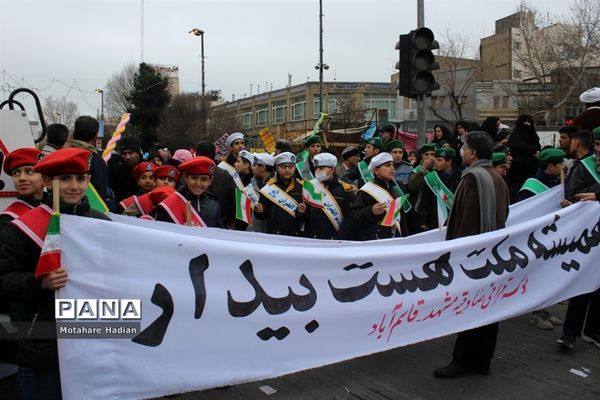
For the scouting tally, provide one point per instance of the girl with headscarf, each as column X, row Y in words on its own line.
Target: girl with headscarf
column 491, row 126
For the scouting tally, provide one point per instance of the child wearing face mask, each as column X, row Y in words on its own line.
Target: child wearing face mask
column 327, row 221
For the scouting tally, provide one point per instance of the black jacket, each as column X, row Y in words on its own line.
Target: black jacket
column 223, row 187
column 318, row 225
column 367, row 223
column 206, row 205
column 524, row 143
column 120, row 179
column 579, row 180
column 425, row 203
column 19, row 256
column 279, row 221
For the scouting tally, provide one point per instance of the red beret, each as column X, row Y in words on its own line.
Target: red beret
column 198, row 166
column 166, row 171
column 21, row 157
column 142, row 167
column 159, row 194
column 69, row 161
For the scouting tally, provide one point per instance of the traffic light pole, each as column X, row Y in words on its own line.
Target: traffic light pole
column 421, row 122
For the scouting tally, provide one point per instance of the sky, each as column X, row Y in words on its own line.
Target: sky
column 82, row 43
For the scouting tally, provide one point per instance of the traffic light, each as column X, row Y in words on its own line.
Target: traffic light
column 416, row 63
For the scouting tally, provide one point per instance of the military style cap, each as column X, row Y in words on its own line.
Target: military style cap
column 499, row 159
column 596, row 133
column 198, row 166
column 142, row 167
column 20, row 157
column 167, row 171
column 325, row 160
column 285, row 158
column 65, row 162
column 233, row 137
column 379, row 160
column 246, row 155
column 377, row 143
column 446, row 152
column 312, row 140
column 554, row 156
column 264, row 159
column 394, row 144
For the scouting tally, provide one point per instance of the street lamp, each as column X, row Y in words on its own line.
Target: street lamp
column 101, row 103
column 59, row 115
column 200, row 32
column 321, row 67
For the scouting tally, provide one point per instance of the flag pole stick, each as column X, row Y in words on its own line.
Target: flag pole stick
column 55, row 195
column 188, row 213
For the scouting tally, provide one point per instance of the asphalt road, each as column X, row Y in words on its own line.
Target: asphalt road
column 528, row 364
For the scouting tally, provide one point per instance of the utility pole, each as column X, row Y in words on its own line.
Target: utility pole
column 142, row 32
column 421, row 119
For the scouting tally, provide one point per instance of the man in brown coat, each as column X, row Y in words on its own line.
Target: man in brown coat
column 480, row 205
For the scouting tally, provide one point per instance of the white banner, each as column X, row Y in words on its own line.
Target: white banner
column 219, row 312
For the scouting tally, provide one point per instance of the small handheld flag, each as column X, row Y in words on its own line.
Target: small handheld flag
column 442, row 208
column 243, row 207
column 392, row 216
column 311, row 195
column 50, row 256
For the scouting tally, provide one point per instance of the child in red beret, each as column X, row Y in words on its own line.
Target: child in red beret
column 198, row 174
column 28, row 183
column 143, row 173
column 167, row 175
column 19, row 256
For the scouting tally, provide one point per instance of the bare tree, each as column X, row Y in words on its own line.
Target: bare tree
column 117, row 91
column 553, row 57
column 345, row 113
column 458, row 72
column 222, row 121
column 182, row 122
column 60, row 111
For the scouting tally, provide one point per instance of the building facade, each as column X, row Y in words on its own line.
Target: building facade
column 296, row 108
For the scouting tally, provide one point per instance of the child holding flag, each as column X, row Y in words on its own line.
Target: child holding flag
column 22, row 277
column 281, row 199
column 325, row 218
column 376, row 209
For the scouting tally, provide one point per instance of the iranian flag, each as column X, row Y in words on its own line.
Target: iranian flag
column 243, row 207
column 311, row 195
column 442, row 207
column 392, row 216
column 50, row 255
